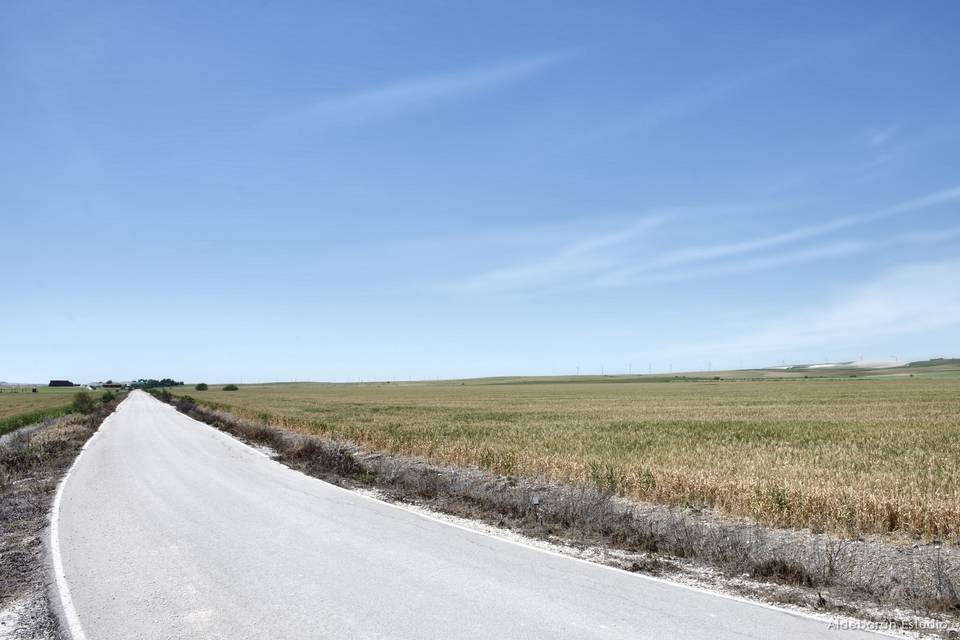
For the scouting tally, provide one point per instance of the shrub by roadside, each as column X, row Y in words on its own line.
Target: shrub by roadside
column 84, row 402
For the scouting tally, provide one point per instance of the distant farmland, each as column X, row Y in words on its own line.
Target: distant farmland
column 850, row 455
column 21, row 408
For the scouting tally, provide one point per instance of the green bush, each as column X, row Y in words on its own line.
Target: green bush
column 231, row 387
column 161, row 394
column 108, row 396
column 83, row 402
column 202, row 386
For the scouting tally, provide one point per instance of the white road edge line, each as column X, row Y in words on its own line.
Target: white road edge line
column 800, row 614
column 71, row 618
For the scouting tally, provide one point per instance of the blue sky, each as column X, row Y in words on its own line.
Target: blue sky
column 388, row 190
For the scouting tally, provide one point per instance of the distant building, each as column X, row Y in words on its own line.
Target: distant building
column 61, row 383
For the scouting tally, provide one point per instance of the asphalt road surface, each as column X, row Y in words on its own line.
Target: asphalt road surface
column 167, row 528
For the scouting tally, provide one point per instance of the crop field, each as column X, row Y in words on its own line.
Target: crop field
column 22, row 408
column 854, row 456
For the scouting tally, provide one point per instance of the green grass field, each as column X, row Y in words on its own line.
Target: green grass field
column 853, row 455
column 22, row 408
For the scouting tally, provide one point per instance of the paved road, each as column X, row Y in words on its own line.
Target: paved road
column 167, row 528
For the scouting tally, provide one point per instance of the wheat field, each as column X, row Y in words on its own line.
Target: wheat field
column 853, row 456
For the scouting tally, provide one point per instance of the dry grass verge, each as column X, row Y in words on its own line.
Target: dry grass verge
column 835, row 572
column 32, row 461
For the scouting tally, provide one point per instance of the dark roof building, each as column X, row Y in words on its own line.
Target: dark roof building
column 61, row 383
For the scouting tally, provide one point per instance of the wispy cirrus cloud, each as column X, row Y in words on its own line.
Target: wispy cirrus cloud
column 816, row 253
column 908, row 298
column 880, row 136
column 666, row 108
column 701, row 94
column 394, row 98
column 708, row 253
column 749, row 265
column 628, row 256
column 587, row 255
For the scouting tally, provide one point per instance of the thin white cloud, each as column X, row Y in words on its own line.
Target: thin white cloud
column 907, row 299
column 704, row 93
column 811, row 254
column 880, row 136
column 579, row 258
column 695, row 255
column 375, row 103
column 876, row 162
column 933, row 235
column 610, row 259
column 670, row 107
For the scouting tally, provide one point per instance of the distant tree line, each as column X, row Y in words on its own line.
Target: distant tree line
column 154, row 384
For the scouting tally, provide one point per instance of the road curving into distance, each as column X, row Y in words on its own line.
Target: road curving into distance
column 167, row 528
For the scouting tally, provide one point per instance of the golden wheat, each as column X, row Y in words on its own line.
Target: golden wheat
column 854, row 456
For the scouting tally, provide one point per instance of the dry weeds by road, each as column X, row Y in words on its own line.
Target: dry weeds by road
column 847, row 456
column 32, row 461
column 868, row 577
